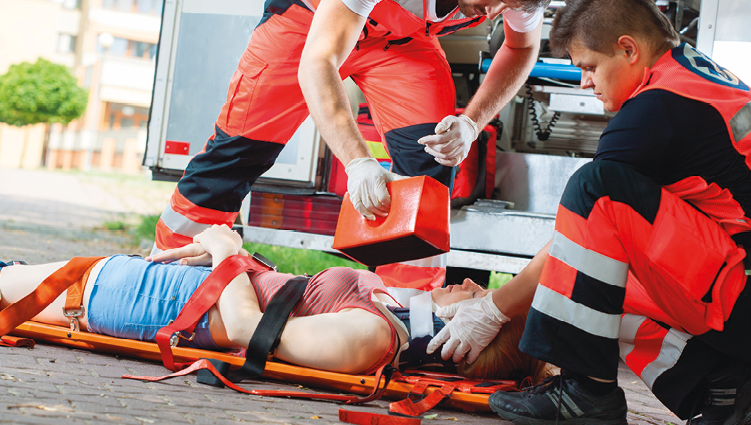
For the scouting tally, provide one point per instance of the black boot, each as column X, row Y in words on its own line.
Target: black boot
column 729, row 396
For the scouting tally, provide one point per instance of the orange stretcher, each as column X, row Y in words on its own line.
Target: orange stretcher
column 466, row 396
column 430, row 388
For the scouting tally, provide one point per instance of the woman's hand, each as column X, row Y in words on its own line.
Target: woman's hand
column 220, row 242
column 188, row 255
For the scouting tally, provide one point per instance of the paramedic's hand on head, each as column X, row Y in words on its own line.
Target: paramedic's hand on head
column 452, row 140
column 366, row 184
column 471, row 330
column 189, row 255
column 449, row 311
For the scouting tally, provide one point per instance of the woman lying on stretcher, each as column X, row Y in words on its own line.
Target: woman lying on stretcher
column 341, row 323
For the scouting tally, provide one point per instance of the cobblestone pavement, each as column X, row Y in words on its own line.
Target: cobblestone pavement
column 54, row 216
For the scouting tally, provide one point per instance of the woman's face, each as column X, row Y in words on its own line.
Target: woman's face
column 455, row 293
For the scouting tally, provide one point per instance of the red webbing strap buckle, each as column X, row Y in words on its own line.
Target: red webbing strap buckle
column 368, row 418
column 204, row 364
column 203, row 298
column 410, row 408
column 47, row 291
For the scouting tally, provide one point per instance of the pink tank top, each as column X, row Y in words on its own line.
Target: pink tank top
column 329, row 291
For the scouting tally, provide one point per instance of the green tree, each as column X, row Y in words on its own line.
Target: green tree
column 42, row 92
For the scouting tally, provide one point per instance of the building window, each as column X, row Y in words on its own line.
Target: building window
column 123, row 47
column 119, row 116
column 150, row 7
column 66, row 43
column 69, row 4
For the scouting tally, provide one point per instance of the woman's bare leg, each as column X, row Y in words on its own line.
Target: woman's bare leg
column 18, row 281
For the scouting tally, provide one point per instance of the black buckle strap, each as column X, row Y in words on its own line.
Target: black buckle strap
column 269, row 331
column 266, row 337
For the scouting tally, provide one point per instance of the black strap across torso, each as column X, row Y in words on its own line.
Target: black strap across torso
column 269, row 331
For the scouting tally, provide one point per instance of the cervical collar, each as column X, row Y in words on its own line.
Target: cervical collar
column 412, row 355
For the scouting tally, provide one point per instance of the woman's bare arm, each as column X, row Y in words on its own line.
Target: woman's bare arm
column 515, row 297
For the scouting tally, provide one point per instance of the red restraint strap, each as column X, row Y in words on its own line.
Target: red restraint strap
column 47, row 291
column 368, row 418
column 202, row 299
column 410, row 408
column 385, row 372
column 14, row 341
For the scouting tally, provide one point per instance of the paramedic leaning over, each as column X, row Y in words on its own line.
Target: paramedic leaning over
column 656, row 227
column 294, row 65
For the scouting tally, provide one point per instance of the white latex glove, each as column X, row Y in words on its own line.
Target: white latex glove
column 474, row 326
column 449, row 311
column 366, row 184
column 452, row 140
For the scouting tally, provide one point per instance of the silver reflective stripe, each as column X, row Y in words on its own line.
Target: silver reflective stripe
column 181, row 225
column 740, row 124
column 573, row 409
column 630, row 324
column 672, row 347
column 569, row 409
column 593, row 264
column 553, row 396
column 591, row 321
column 155, row 250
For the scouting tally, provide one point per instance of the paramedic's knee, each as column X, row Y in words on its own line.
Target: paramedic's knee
column 409, row 157
column 616, row 181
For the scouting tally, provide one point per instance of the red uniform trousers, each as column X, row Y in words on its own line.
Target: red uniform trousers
column 408, row 86
column 614, row 222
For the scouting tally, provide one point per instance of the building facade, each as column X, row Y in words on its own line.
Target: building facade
column 110, row 45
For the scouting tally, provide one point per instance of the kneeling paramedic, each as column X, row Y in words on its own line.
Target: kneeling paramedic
column 648, row 257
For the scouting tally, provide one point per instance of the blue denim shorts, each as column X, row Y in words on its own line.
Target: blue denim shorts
column 133, row 298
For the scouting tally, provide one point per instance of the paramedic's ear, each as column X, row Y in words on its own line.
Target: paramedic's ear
column 630, row 47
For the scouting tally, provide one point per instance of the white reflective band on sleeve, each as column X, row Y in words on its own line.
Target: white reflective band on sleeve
column 630, row 324
column 421, row 315
column 591, row 321
column 155, row 250
column 180, row 224
column 671, row 350
column 740, row 124
column 593, row 264
column 434, row 261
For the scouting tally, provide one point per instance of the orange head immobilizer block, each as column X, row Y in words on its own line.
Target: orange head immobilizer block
column 417, row 225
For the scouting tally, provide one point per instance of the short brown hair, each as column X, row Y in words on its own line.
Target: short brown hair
column 533, row 5
column 502, row 359
column 598, row 24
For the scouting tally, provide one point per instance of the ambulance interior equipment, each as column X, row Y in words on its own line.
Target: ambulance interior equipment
column 544, row 135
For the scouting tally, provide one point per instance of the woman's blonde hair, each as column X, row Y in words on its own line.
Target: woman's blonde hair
column 502, row 359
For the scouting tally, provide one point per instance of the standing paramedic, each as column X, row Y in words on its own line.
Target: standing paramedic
column 294, row 65
column 649, row 254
